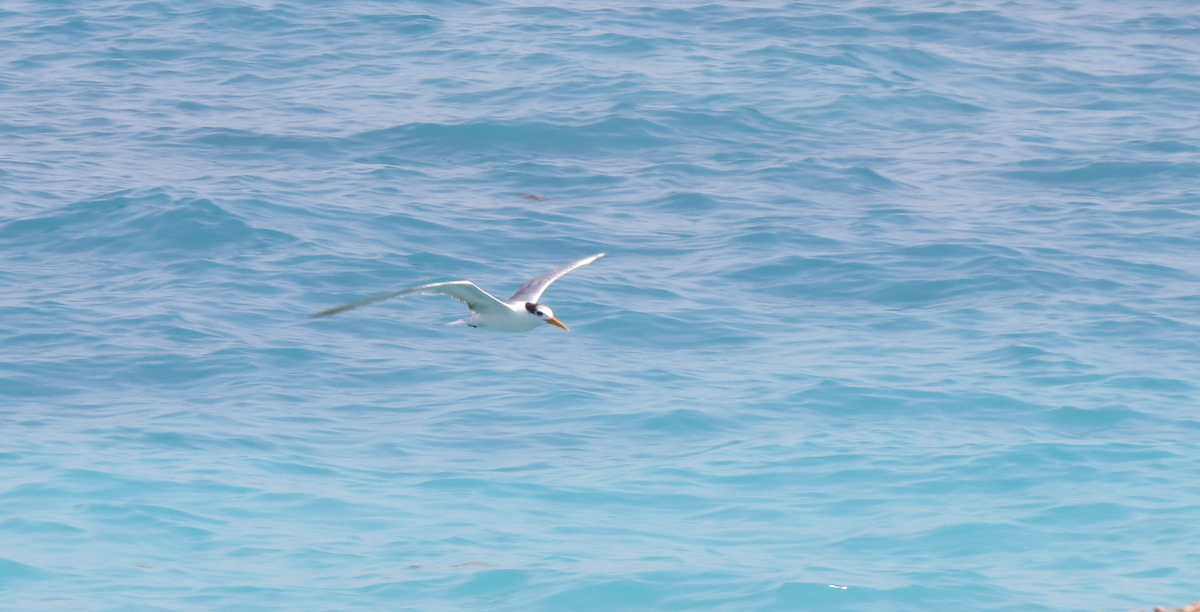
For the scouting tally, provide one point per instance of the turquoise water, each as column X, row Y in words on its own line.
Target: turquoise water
column 901, row 308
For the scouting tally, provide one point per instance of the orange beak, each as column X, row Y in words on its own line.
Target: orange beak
column 558, row 323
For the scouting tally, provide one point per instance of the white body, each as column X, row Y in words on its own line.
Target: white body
column 520, row 313
column 514, row 318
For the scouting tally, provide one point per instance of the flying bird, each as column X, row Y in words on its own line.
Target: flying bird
column 521, row 312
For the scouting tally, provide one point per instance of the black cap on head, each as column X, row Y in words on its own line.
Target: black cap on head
column 531, row 307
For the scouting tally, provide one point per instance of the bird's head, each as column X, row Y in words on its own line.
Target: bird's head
column 544, row 313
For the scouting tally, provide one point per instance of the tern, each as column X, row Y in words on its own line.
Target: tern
column 521, row 312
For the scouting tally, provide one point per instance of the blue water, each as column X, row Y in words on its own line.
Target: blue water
column 900, row 297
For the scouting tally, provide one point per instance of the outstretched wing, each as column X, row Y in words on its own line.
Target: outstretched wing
column 532, row 291
column 476, row 299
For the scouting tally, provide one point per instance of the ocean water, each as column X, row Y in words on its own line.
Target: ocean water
column 901, row 307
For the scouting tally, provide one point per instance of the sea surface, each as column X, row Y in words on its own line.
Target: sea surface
column 900, row 312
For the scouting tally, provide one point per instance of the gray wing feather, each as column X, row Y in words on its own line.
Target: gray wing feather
column 476, row 299
column 532, row 291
